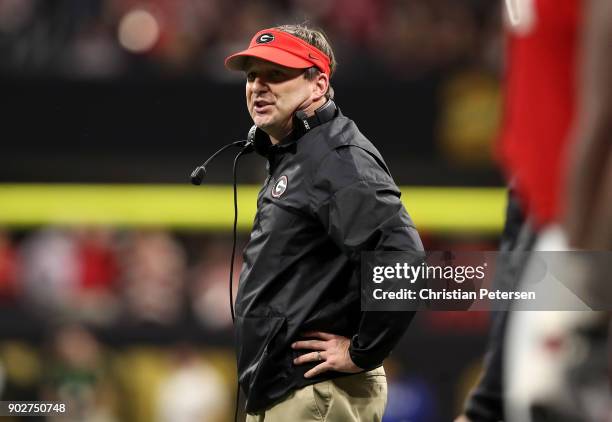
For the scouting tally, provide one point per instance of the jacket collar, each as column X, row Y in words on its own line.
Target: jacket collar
column 302, row 124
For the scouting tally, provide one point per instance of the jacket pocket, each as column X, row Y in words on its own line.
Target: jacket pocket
column 376, row 375
column 262, row 365
column 322, row 396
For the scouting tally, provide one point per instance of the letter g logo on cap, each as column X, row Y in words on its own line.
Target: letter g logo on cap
column 264, row 38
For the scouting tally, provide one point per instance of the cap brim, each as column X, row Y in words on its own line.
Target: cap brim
column 238, row 61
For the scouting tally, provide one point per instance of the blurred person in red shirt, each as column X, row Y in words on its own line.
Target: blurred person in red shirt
column 8, row 269
column 540, row 103
column 558, row 362
column 96, row 295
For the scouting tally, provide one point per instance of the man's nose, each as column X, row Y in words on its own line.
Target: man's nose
column 259, row 84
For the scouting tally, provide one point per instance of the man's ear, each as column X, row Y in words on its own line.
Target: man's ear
column 321, row 84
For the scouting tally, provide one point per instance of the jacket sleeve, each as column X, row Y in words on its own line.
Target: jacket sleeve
column 359, row 205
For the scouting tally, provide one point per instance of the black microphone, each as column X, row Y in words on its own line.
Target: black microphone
column 197, row 175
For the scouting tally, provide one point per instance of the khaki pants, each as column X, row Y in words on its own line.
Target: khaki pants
column 358, row 397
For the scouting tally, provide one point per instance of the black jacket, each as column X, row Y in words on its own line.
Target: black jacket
column 328, row 197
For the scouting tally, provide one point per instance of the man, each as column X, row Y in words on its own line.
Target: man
column 305, row 348
column 559, row 361
column 542, row 40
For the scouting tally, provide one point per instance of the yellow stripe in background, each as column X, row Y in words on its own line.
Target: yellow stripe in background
column 210, row 207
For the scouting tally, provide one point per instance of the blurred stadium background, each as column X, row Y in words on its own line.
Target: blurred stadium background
column 113, row 270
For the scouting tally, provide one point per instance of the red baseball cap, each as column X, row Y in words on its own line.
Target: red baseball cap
column 281, row 48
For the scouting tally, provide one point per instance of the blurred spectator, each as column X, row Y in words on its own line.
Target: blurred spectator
column 84, row 39
column 144, row 271
column 70, row 273
column 77, row 376
column 95, row 296
column 98, row 269
column 355, row 21
column 209, row 289
column 193, row 391
column 21, row 367
column 425, row 35
column 8, row 269
column 93, row 53
column 153, row 270
column 50, row 273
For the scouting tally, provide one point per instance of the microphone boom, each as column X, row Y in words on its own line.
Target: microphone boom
column 197, row 175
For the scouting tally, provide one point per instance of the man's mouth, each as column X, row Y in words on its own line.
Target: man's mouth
column 261, row 106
